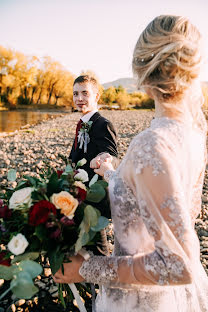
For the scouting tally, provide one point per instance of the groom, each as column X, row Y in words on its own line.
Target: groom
column 100, row 133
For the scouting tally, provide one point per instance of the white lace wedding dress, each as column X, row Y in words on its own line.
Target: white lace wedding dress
column 155, row 197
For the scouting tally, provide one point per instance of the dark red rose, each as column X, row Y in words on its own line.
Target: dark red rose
column 82, row 194
column 3, row 261
column 5, row 212
column 40, row 211
column 56, row 234
column 59, row 172
column 66, row 221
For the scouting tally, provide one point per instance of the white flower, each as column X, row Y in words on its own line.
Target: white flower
column 18, row 244
column 82, row 175
column 80, row 185
column 20, row 198
column 81, row 162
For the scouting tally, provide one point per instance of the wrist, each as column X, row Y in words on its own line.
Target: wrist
column 107, row 174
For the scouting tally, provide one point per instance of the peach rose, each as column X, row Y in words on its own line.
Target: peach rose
column 66, row 202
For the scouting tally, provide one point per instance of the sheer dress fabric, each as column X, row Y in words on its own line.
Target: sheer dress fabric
column 155, row 197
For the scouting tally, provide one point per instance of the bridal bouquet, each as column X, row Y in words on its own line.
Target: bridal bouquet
column 52, row 216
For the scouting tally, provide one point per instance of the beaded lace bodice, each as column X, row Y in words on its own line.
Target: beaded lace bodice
column 155, row 195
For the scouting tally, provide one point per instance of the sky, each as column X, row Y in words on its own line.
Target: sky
column 97, row 35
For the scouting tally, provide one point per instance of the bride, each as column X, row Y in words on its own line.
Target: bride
column 155, row 193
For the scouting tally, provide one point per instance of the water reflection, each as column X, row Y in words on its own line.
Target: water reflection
column 11, row 121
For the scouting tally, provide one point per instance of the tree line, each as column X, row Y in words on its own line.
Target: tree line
column 29, row 80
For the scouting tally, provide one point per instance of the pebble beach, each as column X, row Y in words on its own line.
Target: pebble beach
column 27, row 150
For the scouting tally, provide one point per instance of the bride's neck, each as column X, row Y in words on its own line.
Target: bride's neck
column 177, row 111
column 164, row 110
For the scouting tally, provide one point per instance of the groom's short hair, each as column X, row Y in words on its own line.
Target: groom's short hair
column 87, row 79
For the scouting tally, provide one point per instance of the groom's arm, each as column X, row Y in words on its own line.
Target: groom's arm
column 105, row 137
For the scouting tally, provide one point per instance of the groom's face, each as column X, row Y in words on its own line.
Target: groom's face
column 85, row 97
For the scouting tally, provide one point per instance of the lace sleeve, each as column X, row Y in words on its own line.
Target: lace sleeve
column 157, row 184
column 108, row 175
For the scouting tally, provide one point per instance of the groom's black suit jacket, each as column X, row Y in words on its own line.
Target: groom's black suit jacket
column 102, row 139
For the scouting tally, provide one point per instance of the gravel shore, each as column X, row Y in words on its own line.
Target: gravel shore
column 27, row 149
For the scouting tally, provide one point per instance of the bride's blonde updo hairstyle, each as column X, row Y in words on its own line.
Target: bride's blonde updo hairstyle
column 167, row 57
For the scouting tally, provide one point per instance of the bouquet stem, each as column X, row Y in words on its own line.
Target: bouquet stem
column 5, row 293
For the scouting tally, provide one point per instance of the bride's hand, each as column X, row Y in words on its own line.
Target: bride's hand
column 99, row 159
column 104, row 166
column 71, row 271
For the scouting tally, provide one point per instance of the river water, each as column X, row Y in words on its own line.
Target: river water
column 14, row 120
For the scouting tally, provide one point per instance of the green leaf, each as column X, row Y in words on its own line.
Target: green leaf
column 31, row 267
column 90, row 216
column 56, row 258
column 91, row 235
column 22, row 286
column 96, row 193
column 101, row 224
column 60, row 295
column 90, row 219
column 85, row 238
column 78, row 244
column 32, row 180
column 6, row 272
column 12, row 175
column 52, row 184
column 103, row 183
column 26, row 256
column 41, row 232
column 21, row 185
column 68, row 169
column 93, row 180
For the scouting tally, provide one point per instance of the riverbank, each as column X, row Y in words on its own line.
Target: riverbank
column 36, row 107
column 28, row 149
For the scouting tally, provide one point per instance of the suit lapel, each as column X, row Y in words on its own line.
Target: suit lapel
column 95, row 117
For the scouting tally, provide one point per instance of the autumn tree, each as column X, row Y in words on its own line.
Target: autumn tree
column 6, row 74
column 109, row 96
column 122, row 99
column 29, row 80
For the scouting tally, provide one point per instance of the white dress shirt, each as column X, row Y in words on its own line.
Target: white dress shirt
column 86, row 117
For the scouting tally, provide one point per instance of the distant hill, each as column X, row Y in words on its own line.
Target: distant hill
column 128, row 83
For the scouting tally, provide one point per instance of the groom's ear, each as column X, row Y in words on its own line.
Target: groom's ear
column 97, row 96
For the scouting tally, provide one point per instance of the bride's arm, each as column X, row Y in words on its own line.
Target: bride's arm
column 164, row 210
column 156, row 183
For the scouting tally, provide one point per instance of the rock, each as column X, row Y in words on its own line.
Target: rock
column 204, row 199
column 53, row 291
column 205, row 244
column 202, row 232
column 20, row 302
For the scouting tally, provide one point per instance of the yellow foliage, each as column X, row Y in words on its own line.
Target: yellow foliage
column 28, row 80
